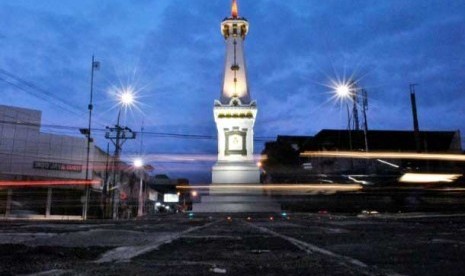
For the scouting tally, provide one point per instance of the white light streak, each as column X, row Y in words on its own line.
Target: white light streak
column 428, row 178
column 388, row 163
column 290, row 187
column 385, row 155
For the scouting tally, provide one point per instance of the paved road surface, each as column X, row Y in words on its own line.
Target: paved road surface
column 301, row 244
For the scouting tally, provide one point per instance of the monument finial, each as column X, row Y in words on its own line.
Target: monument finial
column 234, row 9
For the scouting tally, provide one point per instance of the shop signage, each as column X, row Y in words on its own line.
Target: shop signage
column 56, row 166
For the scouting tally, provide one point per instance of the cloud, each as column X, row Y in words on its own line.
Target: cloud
column 293, row 49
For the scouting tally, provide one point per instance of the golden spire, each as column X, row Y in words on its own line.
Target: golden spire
column 234, row 9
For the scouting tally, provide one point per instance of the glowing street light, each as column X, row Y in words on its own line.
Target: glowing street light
column 127, row 97
column 343, row 91
column 138, row 163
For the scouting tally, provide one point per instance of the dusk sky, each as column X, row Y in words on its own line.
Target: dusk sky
column 172, row 53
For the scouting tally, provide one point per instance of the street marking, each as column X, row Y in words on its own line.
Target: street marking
column 311, row 248
column 418, row 215
column 126, row 253
column 227, row 237
column 53, row 272
column 447, row 241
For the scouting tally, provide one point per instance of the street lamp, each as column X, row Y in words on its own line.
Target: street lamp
column 127, row 98
column 344, row 92
column 87, row 132
column 139, row 164
column 183, row 195
column 350, row 92
column 118, row 135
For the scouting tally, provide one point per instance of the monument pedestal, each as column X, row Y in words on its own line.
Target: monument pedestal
column 236, row 204
column 236, row 189
column 235, row 173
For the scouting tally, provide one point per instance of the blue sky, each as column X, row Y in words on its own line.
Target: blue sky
column 172, row 52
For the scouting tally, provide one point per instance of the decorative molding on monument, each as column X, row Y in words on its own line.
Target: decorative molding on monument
column 243, row 112
column 239, row 104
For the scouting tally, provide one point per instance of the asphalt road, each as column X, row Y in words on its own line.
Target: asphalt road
column 299, row 244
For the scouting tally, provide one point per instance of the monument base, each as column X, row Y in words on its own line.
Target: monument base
column 236, row 204
column 236, row 188
column 235, row 173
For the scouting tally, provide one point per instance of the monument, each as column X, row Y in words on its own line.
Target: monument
column 235, row 183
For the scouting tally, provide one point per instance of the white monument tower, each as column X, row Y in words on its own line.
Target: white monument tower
column 235, row 183
column 235, row 112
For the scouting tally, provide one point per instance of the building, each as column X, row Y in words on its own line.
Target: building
column 39, row 170
column 285, row 164
column 385, row 141
column 43, row 175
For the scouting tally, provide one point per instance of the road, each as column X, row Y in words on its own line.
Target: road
column 299, row 244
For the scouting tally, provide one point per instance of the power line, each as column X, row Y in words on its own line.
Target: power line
column 20, row 83
column 150, row 133
column 45, row 95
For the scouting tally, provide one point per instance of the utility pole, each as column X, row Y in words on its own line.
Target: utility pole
column 354, row 95
column 365, row 121
column 355, row 110
column 117, row 135
column 349, row 126
column 88, row 132
column 416, row 128
column 140, row 210
column 106, row 211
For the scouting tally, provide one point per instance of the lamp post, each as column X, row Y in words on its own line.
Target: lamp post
column 139, row 164
column 365, row 121
column 87, row 132
column 349, row 92
column 118, row 135
column 194, row 195
column 183, row 196
column 344, row 92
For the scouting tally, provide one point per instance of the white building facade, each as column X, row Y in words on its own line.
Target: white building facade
column 38, row 170
column 27, row 152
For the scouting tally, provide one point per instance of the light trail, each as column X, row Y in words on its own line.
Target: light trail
column 385, row 155
column 388, row 163
column 450, row 189
column 288, row 187
column 11, row 183
column 428, row 177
